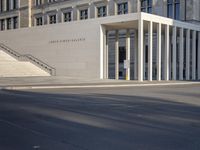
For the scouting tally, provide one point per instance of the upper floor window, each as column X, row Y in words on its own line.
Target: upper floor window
column 173, row 9
column 177, row 9
column 101, row 11
column 39, row 21
column 1, row 6
column 38, row 2
column 7, row 5
column 15, row 22
column 83, row 14
column 122, row 8
column 52, row 19
column 51, row 1
column 146, row 6
column 67, row 16
column 15, row 4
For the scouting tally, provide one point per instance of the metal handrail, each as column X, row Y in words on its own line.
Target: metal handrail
column 30, row 58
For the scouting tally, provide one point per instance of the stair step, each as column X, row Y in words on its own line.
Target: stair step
column 10, row 67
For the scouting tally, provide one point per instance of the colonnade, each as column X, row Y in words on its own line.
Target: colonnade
column 176, row 54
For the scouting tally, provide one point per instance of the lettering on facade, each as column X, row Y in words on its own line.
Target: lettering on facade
column 67, row 40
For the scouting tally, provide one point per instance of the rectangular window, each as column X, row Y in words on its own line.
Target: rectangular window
column 170, row 8
column 2, row 24
column 146, row 6
column 51, row 1
column 84, row 14
column 52, row 19
column 15, row 22
column 101, row 11
column 15, row 4
column 8, row 23
column 173, row 9
column 38, row 2
column 8, row 5
column 39, row 21
column 122, row 8
column 1, row 5
column 67, row 16
column 177, row 9
column 122, row 54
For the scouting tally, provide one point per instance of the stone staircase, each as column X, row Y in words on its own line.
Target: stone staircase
column 14, row 65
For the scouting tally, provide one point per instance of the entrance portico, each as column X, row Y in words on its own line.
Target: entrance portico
column 156, row 48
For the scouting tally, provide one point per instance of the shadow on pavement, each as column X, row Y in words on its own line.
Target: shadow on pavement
column 97, row 122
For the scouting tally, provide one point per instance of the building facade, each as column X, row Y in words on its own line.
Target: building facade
column 129, row 39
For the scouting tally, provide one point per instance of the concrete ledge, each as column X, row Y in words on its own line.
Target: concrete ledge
column 69, row 82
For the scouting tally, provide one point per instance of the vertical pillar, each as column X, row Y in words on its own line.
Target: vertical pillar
column 128, row 55
column 144, row 56
column 158, row 61
column 135, row 54
column 174, row 54
column 170, row 58
column 117, row 55
column 166, row 68
column 187, row 71
column 181, row 50
column 140, row 49
column 194, row 55
column 150, row 49
column 102, row 52
column 198, row 56
column 107, row 56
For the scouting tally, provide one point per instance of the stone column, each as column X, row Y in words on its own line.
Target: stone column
column 174, row 54
column 150, row 49
column 199, row 56
column 158, row 59
column 117, row 55
column 181, row 53
column 135, row 54
column 187, row 71
column 166, row 68
column 194, row 55
column 128, row 56
column 140, row 49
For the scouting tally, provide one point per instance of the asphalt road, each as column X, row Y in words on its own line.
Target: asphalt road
column 131, row 118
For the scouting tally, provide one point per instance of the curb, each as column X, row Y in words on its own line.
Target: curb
column 95, row 86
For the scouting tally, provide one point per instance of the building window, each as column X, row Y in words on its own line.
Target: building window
column 122, row 8
column 67, row 16
column 122, row 54
column 15, row 4
column 2, row 24
column 173, row 9
column 101, row 11
column 51, row 1
column 38, row 2
column 8, row 23
column 146, row 6
column 84, row 14
column 8, row 5
column 1, row 5
column 39, row 21
column 170, row 8
column 177, row 9
column 15, row 22
column 52, row 19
